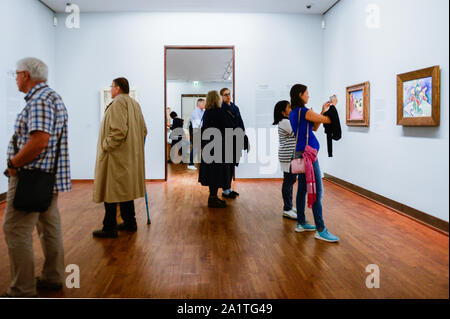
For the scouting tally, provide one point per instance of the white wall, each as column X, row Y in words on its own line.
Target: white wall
column 27, row 30
column 273, row 50
column 176, row 88
column 408, row 165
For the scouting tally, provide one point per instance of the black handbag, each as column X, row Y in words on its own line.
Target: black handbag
column 34, row 190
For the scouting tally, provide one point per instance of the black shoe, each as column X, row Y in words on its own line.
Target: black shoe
column 215, row 202
column 125, row 227
column 232, row 195
column 47, row 285
column 105, row 234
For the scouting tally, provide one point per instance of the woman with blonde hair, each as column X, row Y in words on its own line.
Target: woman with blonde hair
column 214, row 172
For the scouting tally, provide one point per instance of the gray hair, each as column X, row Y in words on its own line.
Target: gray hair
column 38, row 70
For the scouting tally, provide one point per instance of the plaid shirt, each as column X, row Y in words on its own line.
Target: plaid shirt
column 39, row 115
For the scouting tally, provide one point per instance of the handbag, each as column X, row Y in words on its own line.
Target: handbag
column 298, row 164
column 34, row 190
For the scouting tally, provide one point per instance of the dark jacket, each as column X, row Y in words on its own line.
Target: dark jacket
column 332, row 130
column 234, row 116
column 177, row 122
column 215, row 174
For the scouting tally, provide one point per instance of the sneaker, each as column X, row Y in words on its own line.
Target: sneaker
column 47, row 285
column 229, row 195
column 126, row 227
column 326, row 236
column 307, row 227
column 215, row 202
column 192, row 167
column 290, row 214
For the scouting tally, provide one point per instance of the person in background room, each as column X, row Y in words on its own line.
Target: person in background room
column 306, row 121
column 176, row 127
column 120, row 164
column 285, row 155
column 195, row 125
column 40, row 127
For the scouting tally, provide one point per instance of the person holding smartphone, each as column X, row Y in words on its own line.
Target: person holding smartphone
column 305, row 121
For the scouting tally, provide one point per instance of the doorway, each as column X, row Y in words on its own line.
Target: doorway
column 190, row 72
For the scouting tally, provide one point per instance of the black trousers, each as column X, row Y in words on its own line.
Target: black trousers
column 228, row 184
column 126, row 212
column 288, row 184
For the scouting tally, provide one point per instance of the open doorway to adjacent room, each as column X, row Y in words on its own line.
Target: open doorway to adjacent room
column 190, row 72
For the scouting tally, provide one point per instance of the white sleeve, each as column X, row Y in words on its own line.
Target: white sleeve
column 286, row 125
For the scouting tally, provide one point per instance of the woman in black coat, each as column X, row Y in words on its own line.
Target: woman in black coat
column 214, row 172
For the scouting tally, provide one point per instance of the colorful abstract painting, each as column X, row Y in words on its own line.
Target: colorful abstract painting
column 417, row 97
column 356, row 105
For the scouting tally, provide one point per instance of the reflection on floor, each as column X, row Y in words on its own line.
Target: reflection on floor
column 246, row 250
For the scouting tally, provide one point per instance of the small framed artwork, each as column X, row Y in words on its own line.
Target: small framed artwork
column 358, row 104
column 105, row 99
column 418, row 97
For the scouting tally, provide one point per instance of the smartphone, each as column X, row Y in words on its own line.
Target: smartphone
column 331, row 97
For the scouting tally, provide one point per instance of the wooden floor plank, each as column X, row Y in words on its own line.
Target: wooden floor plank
column 246, row 250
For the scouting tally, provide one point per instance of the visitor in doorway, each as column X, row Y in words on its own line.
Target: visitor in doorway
column 305, row 121
column 40, row 132
column 234, row 116
column 285, row 155
column 120, row 166
column 176, row 136
column 214, row 172
column 194, row 131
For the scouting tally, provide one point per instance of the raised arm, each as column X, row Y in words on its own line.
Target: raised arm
column 318, row 119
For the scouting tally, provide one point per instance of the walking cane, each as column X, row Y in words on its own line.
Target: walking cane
column 146, row 200
column 146, row 204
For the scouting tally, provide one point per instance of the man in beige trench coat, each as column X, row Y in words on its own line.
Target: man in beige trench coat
column 120, row 165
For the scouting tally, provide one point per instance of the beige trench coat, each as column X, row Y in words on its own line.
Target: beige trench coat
column 120, row 164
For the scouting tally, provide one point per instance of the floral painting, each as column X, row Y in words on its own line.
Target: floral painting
column 417, row 97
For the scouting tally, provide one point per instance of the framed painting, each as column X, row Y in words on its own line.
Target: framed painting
column 358, row 104
column 418, row 97
column 105, row 99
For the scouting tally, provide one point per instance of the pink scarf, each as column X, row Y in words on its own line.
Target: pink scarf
column 309, row 157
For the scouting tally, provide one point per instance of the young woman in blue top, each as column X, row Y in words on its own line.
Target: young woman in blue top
column 299, row 99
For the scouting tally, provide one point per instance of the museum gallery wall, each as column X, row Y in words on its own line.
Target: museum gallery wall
column 379, row 156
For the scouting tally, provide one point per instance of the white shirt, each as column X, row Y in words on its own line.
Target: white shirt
column 196, row 117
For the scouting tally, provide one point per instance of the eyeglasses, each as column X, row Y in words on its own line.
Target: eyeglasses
column 227, row 94
column 113, row 86
column 14, row 74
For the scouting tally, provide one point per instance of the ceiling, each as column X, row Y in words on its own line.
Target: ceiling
column 241, row 6
column 199, row 65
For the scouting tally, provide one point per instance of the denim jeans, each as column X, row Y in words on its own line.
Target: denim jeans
column 194, row 152
column 301, row 198
column 286, row 190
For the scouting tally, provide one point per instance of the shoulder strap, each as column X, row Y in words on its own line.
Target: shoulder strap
column 296, row 135
column 298, row 129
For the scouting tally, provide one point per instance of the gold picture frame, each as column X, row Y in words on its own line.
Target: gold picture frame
column 418, row 97
column 358, row 104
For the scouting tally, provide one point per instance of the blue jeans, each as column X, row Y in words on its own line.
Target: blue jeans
column 301, row 198
column 194, row 151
